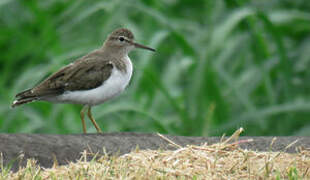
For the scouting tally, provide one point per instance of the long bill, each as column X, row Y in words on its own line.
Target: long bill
column 142, row 46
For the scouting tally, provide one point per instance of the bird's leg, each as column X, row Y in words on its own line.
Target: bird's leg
column 82, row 118
column 93, row 120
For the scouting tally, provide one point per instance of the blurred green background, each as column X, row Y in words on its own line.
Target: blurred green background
column 219, row 65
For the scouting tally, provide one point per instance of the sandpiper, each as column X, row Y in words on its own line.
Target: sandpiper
column 90, row 80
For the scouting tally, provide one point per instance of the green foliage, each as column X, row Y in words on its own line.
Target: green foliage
column 293, row 174
column 219, row 64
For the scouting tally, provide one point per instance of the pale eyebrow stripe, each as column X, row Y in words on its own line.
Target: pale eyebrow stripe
column 116, row 37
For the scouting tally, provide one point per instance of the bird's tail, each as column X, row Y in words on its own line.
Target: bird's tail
column 24, row 97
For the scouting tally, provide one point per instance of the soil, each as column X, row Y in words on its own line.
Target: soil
column 67, row 148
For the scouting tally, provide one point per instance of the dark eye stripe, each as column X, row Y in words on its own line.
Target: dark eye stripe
column 117, row 38
column 121, row 38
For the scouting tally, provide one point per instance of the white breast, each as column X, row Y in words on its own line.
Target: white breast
column 112, row 87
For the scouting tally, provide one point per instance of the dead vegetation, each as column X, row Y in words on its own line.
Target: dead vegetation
column 223, row 160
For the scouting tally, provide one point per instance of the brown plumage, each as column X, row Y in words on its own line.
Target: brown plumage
column 86, row 73
column 92, row 79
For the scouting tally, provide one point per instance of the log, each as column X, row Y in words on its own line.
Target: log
column 45, row 148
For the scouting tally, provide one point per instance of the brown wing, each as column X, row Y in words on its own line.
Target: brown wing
column 87, row 73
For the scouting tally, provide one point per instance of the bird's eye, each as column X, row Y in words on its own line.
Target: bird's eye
column 121, row 39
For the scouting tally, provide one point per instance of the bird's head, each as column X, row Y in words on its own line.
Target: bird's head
column 123, row 39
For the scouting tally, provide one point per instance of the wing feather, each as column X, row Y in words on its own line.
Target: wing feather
column 87, row 73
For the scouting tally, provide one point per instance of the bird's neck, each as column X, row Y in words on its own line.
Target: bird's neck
column 119, row 57
column 115, row 52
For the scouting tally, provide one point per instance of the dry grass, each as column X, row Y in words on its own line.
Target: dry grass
column 224, row 160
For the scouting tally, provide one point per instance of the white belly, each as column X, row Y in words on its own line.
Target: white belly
column 112, row 87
